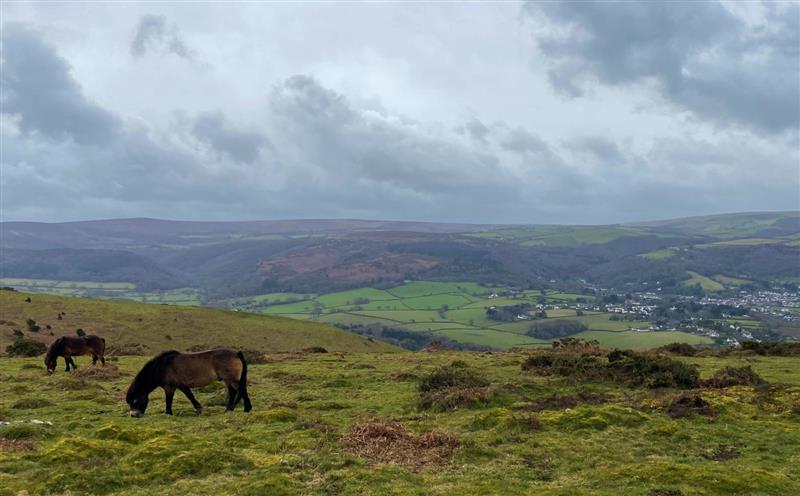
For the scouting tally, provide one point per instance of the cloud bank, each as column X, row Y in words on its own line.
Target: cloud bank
column 309, row 148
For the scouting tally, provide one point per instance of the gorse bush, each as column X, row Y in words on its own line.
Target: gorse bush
column 623, row 367
column 682, row 349
column 772, row 348
column 25, row 347
column 734, row 376
column 454, row 375
column 452, row 386
column 32, row 325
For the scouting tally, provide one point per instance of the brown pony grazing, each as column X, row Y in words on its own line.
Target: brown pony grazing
column 69, row 346
column 173, row 370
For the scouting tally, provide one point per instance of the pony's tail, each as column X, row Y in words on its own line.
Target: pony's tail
column 242, row 392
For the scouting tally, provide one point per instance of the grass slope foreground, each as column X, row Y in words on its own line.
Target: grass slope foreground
column 145, row 328
column 413, row 424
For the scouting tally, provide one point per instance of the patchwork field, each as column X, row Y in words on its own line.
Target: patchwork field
column 456, row 311
column 354, row 424
column 104, row 290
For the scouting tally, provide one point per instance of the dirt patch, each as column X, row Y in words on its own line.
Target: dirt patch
column 107, row 372
column 686, row 405
column 722, row 453
column 392, row 442
column 16, row 445
column 557, row 402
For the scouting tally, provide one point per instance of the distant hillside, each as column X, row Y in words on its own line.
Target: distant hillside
column 154, row 328
column 231, row 259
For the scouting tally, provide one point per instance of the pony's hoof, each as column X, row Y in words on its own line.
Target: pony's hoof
column 198, row 411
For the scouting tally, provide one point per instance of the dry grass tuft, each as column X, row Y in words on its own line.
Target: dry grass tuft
column 16, row 445
column 392, row 442
column 107, row 372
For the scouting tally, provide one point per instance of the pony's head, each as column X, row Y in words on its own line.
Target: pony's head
column 149, row 378
column 52, row 354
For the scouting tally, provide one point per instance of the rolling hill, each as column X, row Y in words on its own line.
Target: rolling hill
column 148, row 329
column 231, row 259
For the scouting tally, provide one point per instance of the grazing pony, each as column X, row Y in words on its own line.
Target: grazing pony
column 69, row 346
column 173, row 370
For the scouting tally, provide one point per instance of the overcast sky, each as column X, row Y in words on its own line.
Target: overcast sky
column 481, row 112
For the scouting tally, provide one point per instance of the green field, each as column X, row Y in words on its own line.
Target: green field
column 420, row 306
column 706, row 283
column 104, row 290
column 71, row 433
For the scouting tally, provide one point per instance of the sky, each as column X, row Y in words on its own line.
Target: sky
column 512, row 112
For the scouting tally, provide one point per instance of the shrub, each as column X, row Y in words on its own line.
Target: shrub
column 314, row 349
column 453, row 386
column 772, row 348
column 25, row 347
column 451, row 376
column 621, row 366
column 80, row 332
column 32, row 325
column 734, row 376
column 682, row 349
column 636, row 369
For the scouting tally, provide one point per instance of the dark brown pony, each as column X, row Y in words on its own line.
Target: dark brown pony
column 69, row 346
column 173, row 370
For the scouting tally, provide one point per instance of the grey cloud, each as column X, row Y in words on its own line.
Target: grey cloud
column 703, row 58
column 332, row 135
column 331, row 157
column 39, row 90
column 603, row 149
column 152, row 33
column 475, row 129
column 242, row 146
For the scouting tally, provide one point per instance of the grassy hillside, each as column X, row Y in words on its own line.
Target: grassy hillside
column 353, row 425
column 159, row 327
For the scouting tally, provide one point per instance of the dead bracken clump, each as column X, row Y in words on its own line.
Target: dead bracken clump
column 686, row 405
column 734, row 376
column 128, row 350
column 107, row 372
column 254, row 357
column 16, row 445
column 392, row 442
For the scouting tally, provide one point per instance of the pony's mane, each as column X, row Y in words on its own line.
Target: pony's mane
column 54, row 350
column 150, row 376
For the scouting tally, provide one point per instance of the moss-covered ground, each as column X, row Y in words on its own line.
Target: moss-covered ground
column 532, row 435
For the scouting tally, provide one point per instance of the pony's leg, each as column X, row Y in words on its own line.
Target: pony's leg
column 170, row 394
column 94, row 359
column 196, row 404
column 73, row 363
column 66, row 360
column 246, row 397
column 231, row 398
column 103, row 360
